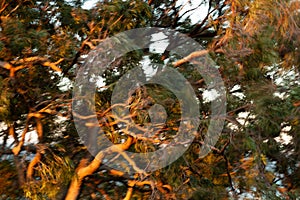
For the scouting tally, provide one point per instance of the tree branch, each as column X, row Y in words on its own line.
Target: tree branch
column 84, row 171
column 31, row 165
column 12, row 69
column 190, row 57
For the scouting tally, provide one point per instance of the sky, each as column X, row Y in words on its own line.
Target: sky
column 197, row 14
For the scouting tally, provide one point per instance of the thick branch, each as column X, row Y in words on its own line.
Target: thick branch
column 16, row 150
column 190, row 57
column 31, row 165
column 12, row 69
column 39, row 128
column 82, row 172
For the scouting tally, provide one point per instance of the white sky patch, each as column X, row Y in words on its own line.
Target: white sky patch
column 159, row 44
column 100, row 82
column 89, row 4
column 236, row 87
column 242, row 119
column 280, row 95
column 3, row 126
column 196, row 15
column 210, row 95
column 284, row 138
column 84, row 56
column 65, row 84
column 148, row 69
column 237, row 94
column 31, row 138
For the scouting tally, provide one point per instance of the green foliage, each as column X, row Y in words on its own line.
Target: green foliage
column 4, row 101
column 255, row 45
column 54, row 173
column 8, row 188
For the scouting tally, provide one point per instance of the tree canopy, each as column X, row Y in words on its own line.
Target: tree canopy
column 255, row 47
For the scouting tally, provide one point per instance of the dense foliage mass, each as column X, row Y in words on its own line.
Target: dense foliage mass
column 255, row 45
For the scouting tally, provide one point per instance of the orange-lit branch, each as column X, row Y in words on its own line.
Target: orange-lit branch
column 190, row 57
column 20, row 64
column 84, row 171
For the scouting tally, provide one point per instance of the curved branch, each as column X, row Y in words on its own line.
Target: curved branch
column 190, row 57
column 84, row 171
column 20, row 64
column 33, row 162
